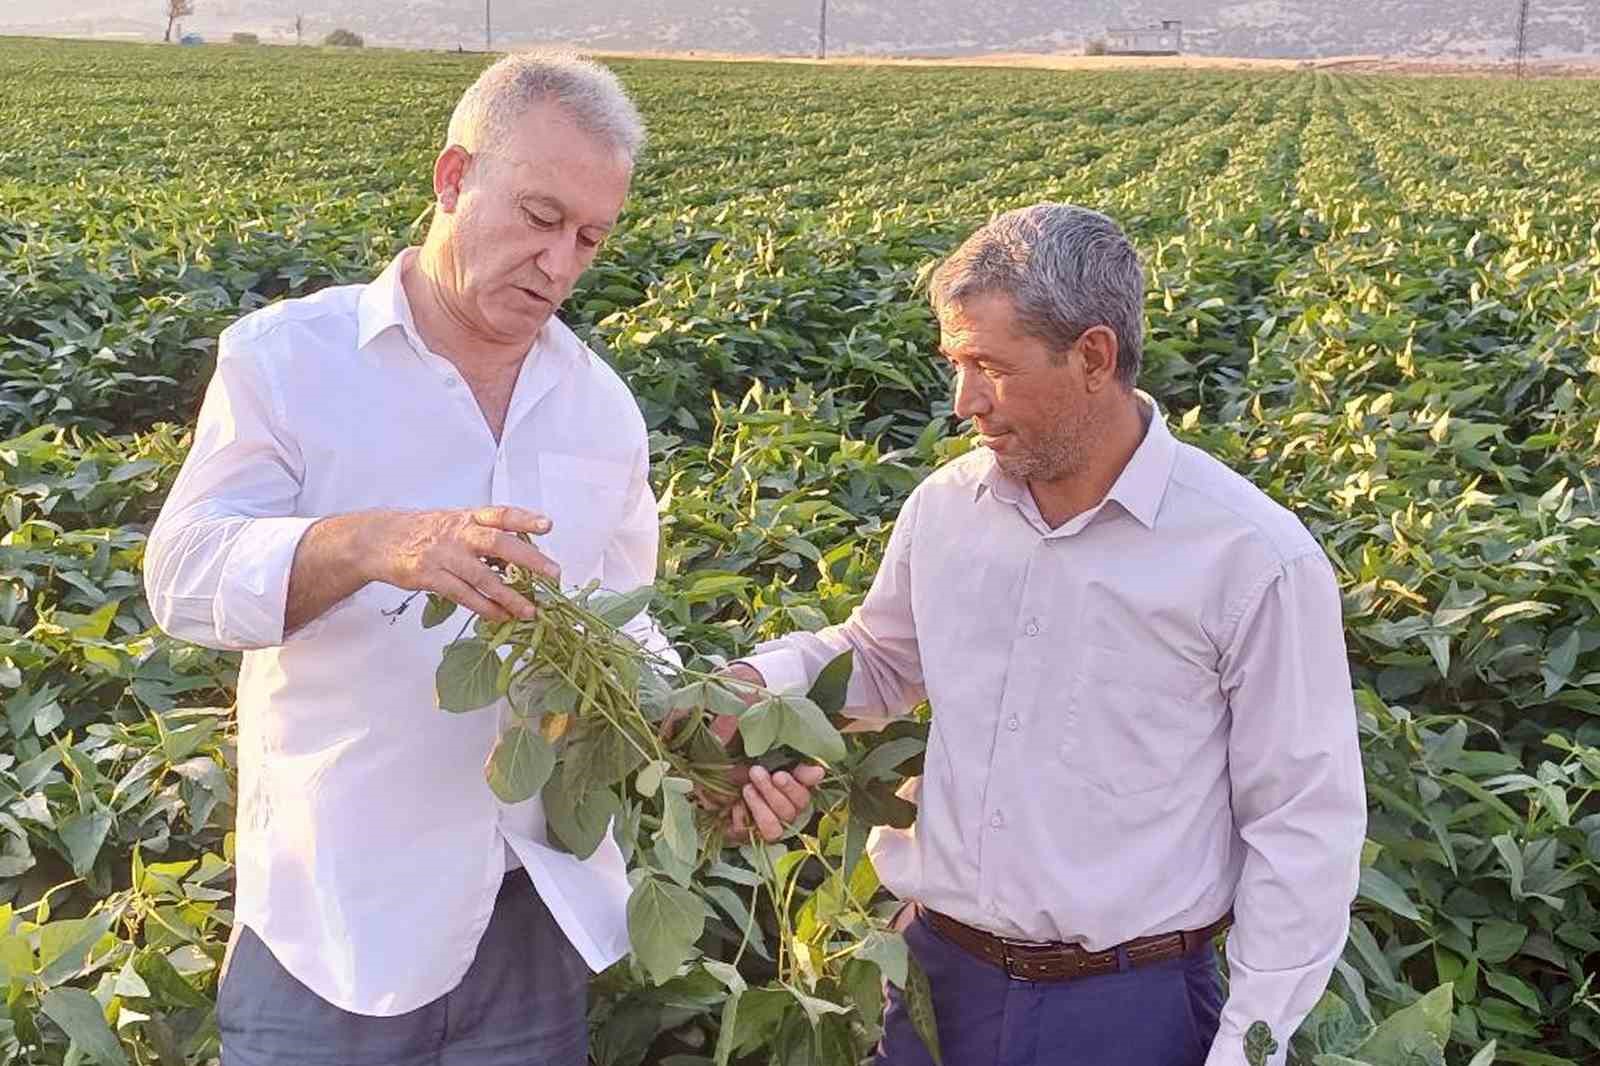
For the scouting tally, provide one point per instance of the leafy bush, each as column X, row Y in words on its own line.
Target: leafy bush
column 246, row 38
column 1373, row 297
column 342, row 38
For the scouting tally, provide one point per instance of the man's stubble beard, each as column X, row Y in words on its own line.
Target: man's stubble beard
column 1062, row 453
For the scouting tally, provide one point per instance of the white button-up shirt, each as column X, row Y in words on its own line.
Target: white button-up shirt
column 1140, row 719
column 369, row 847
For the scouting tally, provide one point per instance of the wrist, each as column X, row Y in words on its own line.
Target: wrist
column 359, row 543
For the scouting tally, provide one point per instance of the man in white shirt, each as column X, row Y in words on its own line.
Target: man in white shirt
column 363, row 443
column 1142, row 714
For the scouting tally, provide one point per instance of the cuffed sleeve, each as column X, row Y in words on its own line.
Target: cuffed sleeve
column 1298, row 800
column 218, row 559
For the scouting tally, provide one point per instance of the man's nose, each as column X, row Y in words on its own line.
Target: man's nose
column 559, row 260
column 972, row 394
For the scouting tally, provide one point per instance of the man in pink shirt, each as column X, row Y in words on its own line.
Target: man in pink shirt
column 1142, row 717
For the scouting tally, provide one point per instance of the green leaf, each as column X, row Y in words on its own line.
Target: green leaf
column 598, row 755
column 520, row 764
column 166, row 983
column 677, row 826
column 887, row 949
column 828, row 691
column 534, row 693
column 84, row 834
column 664, row 922
column 1382, row 890
column 578, row 821
column 761, row 1011
column 1400, row 1034
column 876, row 803
column 728, row 1029
column 468, row 676
column 437, row 610
column 66, row 946
column 759, row 725
column 649, row 778
column 83, row 1019
column 1515, row 989
column 862, row 985
column 1560, row 662
column 713, row 696
column 919, row 1007
column 618, row 609
column 1500, row 940
column 805, row 728
column 1259, row 1046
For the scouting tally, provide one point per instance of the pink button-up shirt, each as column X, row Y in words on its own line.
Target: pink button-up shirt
column 1141, row 718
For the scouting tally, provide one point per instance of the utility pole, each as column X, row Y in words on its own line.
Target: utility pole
column 487, row 36
column 1522, row 39
column 299, row 29
column 822, row 33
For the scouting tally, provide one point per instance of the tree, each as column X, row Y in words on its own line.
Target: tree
column 299, row 29
column 176, row 9
column 343, row 39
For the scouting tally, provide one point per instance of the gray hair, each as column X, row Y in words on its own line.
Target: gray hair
column 585, row 90
column 1066, row 269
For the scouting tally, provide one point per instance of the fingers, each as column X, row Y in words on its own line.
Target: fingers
column 491, row 543
column 458, row 591
column 774, row 801
column 512, row 519
column 509, row 602
column 810, row 775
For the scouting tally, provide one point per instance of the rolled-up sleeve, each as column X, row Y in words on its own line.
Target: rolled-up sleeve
column 1299, row 801
column 887, row 677
column 218, row 559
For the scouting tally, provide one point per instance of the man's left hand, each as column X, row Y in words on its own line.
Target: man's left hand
column 774, row 802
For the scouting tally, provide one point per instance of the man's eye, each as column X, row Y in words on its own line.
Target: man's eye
column 539, row 220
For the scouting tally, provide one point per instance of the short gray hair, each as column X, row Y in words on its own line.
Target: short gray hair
column 1066, row 269
column 585, row 90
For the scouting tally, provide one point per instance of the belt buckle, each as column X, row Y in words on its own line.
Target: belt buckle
column 1012, row 963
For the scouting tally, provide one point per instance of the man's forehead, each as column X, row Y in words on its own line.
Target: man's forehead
column 572, row 184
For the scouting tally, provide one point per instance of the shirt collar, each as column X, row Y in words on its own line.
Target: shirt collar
column 383, row 306
column 1140, row 487
column 383, row 303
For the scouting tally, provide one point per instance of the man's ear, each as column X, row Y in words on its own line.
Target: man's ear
column 1098, row 347
column 449, row 174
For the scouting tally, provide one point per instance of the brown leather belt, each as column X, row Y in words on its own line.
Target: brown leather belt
column 1026, row 961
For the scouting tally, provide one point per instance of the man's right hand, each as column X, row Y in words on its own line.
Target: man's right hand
column 428, row 551
column 444, row 552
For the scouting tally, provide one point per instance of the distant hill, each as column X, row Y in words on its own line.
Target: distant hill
column 1288, row 28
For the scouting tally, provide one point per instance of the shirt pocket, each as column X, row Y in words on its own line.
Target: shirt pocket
column 583, row 496
column 1140, row 718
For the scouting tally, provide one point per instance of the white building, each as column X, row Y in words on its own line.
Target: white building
column 1165, row 39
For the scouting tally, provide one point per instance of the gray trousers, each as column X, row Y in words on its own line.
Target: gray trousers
column 523, row 1002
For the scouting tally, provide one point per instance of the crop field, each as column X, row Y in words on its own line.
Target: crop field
column 1377, row 298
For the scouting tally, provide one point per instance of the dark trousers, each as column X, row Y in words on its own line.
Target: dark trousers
column 1160, row 1014
column 523, row 1002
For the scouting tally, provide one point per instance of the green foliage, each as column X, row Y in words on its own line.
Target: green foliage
column 1378, row 299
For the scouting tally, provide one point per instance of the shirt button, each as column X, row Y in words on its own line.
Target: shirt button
column 451, row 380
column 1032, row 629
column 997, row 821
column 1013, row 725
